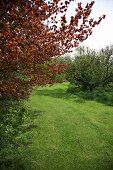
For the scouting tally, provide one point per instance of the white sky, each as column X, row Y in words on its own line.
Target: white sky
column 102, row 33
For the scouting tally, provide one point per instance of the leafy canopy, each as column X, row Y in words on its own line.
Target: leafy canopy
column 31, row 38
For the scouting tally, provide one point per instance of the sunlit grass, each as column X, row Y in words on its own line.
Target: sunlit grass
column 72, row 133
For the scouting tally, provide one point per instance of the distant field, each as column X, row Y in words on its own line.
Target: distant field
column 72, row 133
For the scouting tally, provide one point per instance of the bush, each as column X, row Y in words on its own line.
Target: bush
column 12, row 115
column 102, row 95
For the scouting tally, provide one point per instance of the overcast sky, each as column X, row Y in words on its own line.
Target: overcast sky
column 103, row 33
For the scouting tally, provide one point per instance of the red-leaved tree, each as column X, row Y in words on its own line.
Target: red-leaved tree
column 31, row 37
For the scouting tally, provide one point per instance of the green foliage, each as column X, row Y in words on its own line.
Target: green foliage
column 90, row 69
column 12, row 115
column 59, row 78
column 101, row 94
column 17, row 121
column 66, row 60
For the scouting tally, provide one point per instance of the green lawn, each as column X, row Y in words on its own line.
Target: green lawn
column 72, row 133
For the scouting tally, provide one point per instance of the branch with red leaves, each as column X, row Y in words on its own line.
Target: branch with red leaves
column 31, row 37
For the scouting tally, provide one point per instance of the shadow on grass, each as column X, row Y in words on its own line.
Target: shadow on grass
column 101, row 95
column 56, row 93
column 12, row 164
column 30, row 124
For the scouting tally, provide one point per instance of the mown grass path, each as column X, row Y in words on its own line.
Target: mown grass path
column 71, row 134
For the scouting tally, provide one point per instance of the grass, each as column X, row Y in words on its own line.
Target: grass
column 72, row 133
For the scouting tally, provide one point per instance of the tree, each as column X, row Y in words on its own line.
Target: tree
column 107, row 54
column 91, row 69
column 31, row 38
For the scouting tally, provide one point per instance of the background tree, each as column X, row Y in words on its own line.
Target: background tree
column 91, row 69
column 62, row 60
column 107, row 54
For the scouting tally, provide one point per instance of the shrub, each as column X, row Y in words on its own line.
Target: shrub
column 12, row 115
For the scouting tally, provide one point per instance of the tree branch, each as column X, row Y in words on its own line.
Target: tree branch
column 10, row 67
